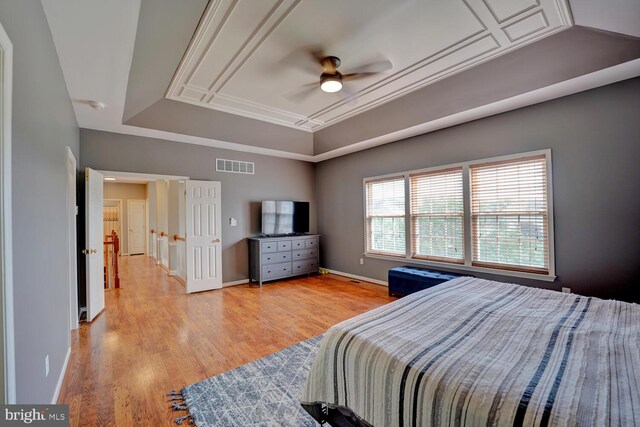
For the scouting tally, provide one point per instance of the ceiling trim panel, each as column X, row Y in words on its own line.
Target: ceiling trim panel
column 232, row 33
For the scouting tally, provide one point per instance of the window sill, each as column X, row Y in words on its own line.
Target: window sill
column 466, row 268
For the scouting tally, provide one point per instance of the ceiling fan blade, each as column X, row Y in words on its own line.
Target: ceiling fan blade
column 307, row 59
column 347, row 96
column 373, row 67
column 356, row 76
column 301, row 93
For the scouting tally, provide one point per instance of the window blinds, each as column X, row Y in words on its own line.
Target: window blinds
column 385, row 216
column 437, row 215
column 509, row 214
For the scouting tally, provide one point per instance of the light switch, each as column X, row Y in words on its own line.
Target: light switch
column 233, row 222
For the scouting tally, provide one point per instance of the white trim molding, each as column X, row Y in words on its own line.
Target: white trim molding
column 65, row 365
column 235, row 283
column 6, row 252
column 71, row 235
column 355, row 276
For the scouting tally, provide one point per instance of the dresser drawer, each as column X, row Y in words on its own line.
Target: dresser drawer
column 311, row 243
column 305, row 266
column 269, row 247
column 305, row 254
column 284, row 246
column 276, row 270
column 299, row 244
column 275, row 257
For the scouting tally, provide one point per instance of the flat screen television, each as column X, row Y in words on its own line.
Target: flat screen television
column 281, row 217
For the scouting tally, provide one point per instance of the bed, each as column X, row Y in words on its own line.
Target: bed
column 475, row 352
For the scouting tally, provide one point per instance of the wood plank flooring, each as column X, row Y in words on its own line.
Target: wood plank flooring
column 152, row 337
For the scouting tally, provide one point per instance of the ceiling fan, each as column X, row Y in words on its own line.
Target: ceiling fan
column 331, row 80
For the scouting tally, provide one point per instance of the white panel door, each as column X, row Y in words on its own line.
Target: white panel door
column 203, row 235
column 94, row 241
column 135, row 224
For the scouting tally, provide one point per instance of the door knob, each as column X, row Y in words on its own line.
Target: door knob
column 215, row 241
column 93, row 251
column 85, row 252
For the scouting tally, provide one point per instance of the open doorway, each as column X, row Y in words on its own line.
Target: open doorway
column 112, row 216
column 177, row 223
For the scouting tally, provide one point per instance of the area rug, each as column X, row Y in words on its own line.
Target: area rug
column 264, row 392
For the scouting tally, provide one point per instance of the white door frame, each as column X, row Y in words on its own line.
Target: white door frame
column 144, row 228
column 72, row 209
column 6, row 258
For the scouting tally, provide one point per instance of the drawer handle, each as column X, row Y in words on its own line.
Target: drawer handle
column 284, row 256
column 269, row 271
column 284, row 269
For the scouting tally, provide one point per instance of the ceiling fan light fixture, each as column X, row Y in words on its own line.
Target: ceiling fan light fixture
column 331, row 83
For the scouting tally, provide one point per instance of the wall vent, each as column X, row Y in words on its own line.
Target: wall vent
column 235, row 166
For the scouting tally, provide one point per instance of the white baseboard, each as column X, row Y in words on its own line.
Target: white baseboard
column 173, row 272
column 236, row 283
column 354, row 276
column 56, row 392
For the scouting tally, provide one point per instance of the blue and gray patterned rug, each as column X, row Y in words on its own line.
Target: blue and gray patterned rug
column 264, row 392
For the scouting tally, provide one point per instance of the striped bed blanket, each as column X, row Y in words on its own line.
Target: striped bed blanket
column 474, row 352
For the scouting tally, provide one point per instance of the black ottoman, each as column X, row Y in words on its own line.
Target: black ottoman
column 406, row 280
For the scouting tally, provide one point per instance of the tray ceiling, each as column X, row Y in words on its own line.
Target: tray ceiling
column 236, row 61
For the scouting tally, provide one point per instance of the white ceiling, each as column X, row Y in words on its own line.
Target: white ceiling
column 95, row 39
column 235, row 60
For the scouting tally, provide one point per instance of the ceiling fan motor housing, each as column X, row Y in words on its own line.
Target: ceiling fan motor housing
column 330, row 63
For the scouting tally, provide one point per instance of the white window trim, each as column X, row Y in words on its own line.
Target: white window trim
column 468, row 249
column 364, row 204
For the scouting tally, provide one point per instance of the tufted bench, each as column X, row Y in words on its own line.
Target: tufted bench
column 406, row 280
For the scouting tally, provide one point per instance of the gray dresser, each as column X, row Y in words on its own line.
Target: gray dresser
column 272, row 258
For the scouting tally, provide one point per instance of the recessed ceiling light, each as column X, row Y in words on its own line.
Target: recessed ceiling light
column 97, row 105
column 109, row 178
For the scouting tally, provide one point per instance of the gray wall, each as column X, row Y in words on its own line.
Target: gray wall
column 43, row 124
column 275, row 178
column 594, row 137
column 124, row 192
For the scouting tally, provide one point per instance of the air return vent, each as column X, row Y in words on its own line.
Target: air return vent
column 235, row 166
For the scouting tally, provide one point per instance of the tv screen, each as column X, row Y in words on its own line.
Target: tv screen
column 284, row 217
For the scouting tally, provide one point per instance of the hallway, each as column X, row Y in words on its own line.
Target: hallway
column 152, row 337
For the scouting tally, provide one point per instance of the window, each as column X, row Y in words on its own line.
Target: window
column 493, row 215
column 509, row 214
column 437, row 215
column 385, row 218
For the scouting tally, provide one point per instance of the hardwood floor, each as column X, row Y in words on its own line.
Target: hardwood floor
column 152, row 337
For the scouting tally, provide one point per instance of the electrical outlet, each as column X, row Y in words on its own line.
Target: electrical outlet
column 46, row 366
column 361, row 261
column 566, row 290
